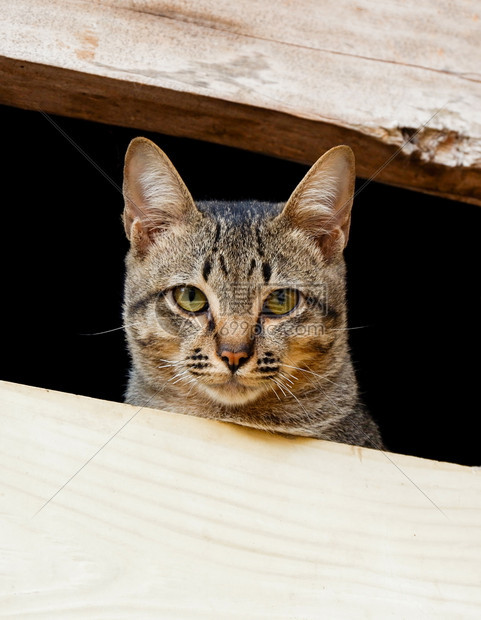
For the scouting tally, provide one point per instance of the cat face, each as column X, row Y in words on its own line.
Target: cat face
column 230, row 300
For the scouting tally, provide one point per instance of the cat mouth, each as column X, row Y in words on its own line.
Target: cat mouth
column 233, row 391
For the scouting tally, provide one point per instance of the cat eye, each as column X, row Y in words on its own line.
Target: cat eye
column 190, row 298
column 281, row 301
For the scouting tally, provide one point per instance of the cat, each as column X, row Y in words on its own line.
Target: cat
column 237, row 311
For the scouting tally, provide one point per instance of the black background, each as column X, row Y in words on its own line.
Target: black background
column 413, row 284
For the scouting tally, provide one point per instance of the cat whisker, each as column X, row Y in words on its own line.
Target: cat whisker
column 182, row 372
column 373, row 442
column 300, row 404
column 283, row 387
column 277, row 382
column 170, row 363
column 188, row 381
column 191, row 388
column 179, row 376
column 115, row 329
column 177, row 381
column 304, row 370
column 324, row 377
column 318, row 387
column 274, row 390
column 286, row 378
column 347, row 329
column 330, row 380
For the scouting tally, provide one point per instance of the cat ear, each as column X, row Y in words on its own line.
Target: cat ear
column 321, row 203
column 156, row 198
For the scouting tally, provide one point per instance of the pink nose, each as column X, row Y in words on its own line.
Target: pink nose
column 233, row 359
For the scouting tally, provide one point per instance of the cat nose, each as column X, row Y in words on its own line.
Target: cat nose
column 234, row 359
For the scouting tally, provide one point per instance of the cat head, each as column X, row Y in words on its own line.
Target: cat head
column 231, row 301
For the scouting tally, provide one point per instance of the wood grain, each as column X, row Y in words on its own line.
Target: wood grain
column 178, row 517
column 289, row 79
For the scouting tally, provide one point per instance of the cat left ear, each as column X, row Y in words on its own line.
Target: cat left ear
column 156, row 198
column 321, row 203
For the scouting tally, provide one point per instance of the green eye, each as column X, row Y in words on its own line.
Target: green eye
column 281, row 301
column 190, row 298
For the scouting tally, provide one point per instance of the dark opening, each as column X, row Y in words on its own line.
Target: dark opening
column 413, row 285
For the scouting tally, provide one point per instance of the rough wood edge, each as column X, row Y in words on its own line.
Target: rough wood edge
column 30, row 86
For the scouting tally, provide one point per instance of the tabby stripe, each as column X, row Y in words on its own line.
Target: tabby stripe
column 251, row 268
column 206, row 269
column 216, row 238
column 141, row 304
column 259, row 243
column 266, row 271
column 147, row 342
column 222, row 265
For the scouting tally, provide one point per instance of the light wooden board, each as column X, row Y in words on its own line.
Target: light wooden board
column 178, row 517
column 285, row 78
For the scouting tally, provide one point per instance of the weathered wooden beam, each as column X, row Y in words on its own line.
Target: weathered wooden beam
column 156, row 515
column 289, row 79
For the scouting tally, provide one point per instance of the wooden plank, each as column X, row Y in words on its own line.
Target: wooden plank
column 178, row 517
column 283, row 78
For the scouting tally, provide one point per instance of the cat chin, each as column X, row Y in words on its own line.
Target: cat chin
column 232, row 395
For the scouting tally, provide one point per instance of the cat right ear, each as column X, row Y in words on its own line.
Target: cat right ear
column 321, row 204
column 156, row 198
